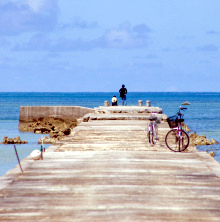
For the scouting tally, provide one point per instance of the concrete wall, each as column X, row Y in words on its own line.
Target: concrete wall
column 28, row 113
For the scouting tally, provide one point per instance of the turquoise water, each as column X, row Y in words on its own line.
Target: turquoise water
column 202, row 116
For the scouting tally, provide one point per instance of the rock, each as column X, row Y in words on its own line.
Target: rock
column 16, row 140
column 212, row 154
column 186, row 128
column 67, row 131
column 57, row 128
column 47, row 124
column 186, row 103
column 200, row 140
column 86, row 118
column 42, row 130
column 47, row 140
column 214, row 141
column 57, row 135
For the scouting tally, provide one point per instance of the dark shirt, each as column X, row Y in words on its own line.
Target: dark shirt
column 123, row 92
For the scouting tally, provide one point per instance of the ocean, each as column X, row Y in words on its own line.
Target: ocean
column 202, row 115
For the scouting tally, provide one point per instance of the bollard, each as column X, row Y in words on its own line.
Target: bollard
column 140, row 103
column 106, row 103
column 148, row 103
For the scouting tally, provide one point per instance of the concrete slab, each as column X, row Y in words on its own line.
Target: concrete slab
column 114, row 185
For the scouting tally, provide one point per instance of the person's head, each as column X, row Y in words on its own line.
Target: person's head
column 123, row 86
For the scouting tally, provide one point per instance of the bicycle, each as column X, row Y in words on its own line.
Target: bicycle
column 153, row 129
column 177, row 139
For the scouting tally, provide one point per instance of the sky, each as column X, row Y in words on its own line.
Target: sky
column 98, row 45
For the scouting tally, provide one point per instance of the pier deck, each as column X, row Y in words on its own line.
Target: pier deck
column 106, row 171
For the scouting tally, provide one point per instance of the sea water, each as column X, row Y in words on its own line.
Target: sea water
column 202, row 115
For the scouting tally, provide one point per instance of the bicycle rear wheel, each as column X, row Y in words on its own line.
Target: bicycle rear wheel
column 177, row 142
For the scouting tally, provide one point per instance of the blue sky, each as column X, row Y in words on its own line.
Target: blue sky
column 98, row 45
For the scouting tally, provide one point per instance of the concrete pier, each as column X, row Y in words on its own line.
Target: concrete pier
column 107, row 171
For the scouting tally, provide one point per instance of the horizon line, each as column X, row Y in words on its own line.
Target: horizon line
column 109, row 92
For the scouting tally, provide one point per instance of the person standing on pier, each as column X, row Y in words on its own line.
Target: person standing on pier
column 123, row 92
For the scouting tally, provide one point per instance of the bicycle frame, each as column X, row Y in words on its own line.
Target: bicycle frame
column 151, row 125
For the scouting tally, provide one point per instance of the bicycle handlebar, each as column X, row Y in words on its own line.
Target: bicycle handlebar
column 179, row 113
column 182, row 108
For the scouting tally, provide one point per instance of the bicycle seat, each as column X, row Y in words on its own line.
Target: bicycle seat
column 179, row 120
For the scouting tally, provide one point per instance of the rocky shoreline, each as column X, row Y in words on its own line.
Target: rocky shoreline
column 197, row 140
column 57, row 128
column 200, row 140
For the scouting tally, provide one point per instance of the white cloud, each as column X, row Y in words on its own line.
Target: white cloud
column 124, row 37
column 118, row 38
column 17, row 17
column 4, row 42
column 79, row 23
column 36, row 6
column 208, row 48
column 213, row 32
column 39, row 6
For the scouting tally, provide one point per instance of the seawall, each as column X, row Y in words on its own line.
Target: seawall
column 50, row 118
column 28, row 113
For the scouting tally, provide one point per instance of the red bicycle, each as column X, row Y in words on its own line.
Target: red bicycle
column 177, row 139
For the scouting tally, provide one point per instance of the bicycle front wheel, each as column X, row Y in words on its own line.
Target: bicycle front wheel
column 177, row 141
column 149, row 136
column 152, row 134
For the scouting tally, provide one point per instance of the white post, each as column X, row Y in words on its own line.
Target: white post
column 106, row 103
column 140, row 103
column 148, row 103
